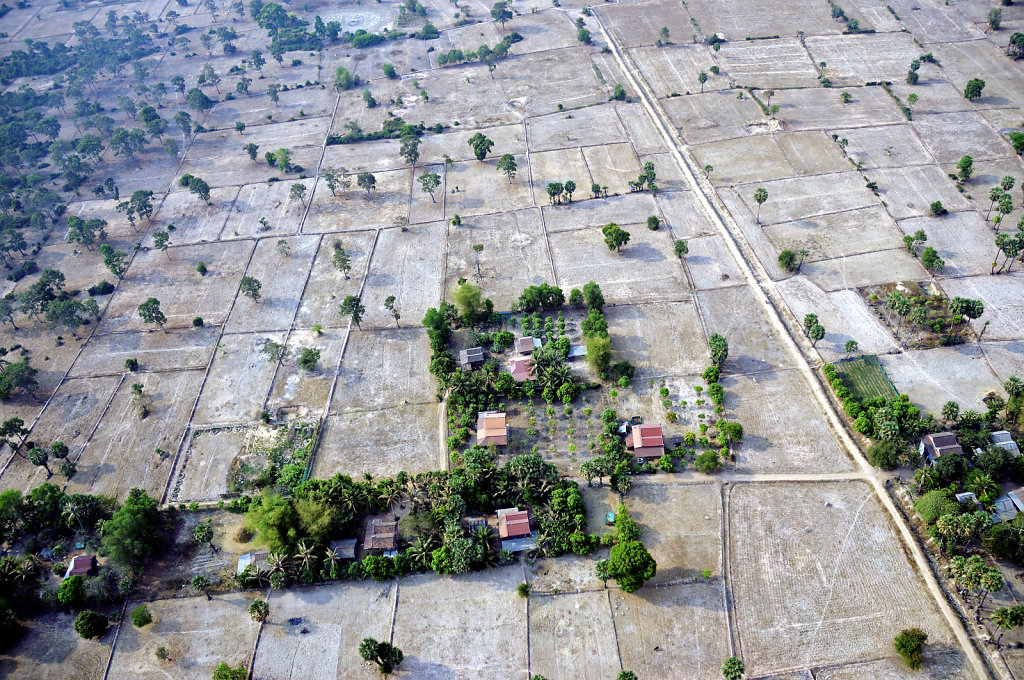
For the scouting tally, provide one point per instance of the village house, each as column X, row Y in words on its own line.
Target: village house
column 934, row 446
column 646, row 441
column 491, row 429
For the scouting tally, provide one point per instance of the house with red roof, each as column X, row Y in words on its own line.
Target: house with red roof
column 646, row 441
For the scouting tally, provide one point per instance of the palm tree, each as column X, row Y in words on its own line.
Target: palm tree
column 554, row 377
column 276, row 562
column 391, row 494
column 1004, row 619
column 991, row 582
column 304, row 554
column 983, row 486
column 332, row 557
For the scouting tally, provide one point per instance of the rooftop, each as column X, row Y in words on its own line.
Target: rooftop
column 473, row 355
column 80, row 565
column 521, row 369
column 381, row 535
column 527, row 344
column 513, row 523
column 491, row 428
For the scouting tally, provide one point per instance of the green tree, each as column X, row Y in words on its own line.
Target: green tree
column 593, row 298
column 39, row 456
column 719, row 349
column 973, row 88
column 733, row 668
column 469, row 300
column 409, row 149
column 202, row 533
column 501, row 13
column 114, row 260
column 141, row 617
column 631, row 565
column 283, row 159
column 131, row 534
column 341, row 259
column 366, row 180
column 259, row 610
column 910, row 645
column 429, row 182
column 72, row 591
column 851, row 346
column 931, row 261
column 787, row 260
column 681, row 248
column 507, row 165
column 965, row 168
column 252, row 149
column 150, row 312
column 389, row 71
column 614, row 236
column 760, row 196
column 389, row 305
column 995, row 18
column 481, row 145
column 816, row 333
column 89, row 624
column 352, row 307
column 702, row 78
column 250, row 287
column 384, row 654
column 297, row 192
column 226, row 672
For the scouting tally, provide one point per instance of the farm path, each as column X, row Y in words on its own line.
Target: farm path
column 768, row 296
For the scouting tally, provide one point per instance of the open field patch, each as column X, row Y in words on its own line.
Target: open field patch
column 573, row 635
column 934, row 376
column 641, row 334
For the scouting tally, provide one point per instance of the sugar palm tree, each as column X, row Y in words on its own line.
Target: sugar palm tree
column 1005, row 618
column 991, row 582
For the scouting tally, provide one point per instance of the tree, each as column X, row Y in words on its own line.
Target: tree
column 851, row 346
column 384, row 654
column 501, row 13
column 282, row 159
column 995, row 18
column 507, row 165
column 681, row 248
column 964, row 168
column 1007, row 618
column 733, row 669
column 197, row 186
column 202, row 533
column 973, row 88
column 569, row 187
column 161, row 240
column 17, row 376
column 626, row 675
column 258, row 61
column 702, row 78
column 89, row 624
column 150, row 312
column 352, row 307
column 184, row 123
column 297, row 191
column 389, row 304
column 1015, row 48
column 601, row 567
column 760, row 196
column 816, row 333
column 951, row 411
column 250, row 287
column 478, row 248
column 341, row 260
column 335, row 177
column 252, row 149
column 7, row 309
column 344, row 80
column 308, row 359
column 719, row 349
column 389, row 71
column 366, row 180
column 931, row 261
column 39, row 456
column 631, row 565
column 259, row 610
column 71, row 313
column 614, row 236
column 481, row 145
column 409, row 149
column 910, row 645
column 198, row 101
column 469, row 300
column 787, row 260
column 429, row 182
column 130, row 535
column 226, row 672
column 141, row 616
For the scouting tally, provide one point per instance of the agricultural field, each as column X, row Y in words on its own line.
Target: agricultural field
column 226, row 291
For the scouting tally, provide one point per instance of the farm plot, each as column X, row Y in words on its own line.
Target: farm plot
column 301, row 391
column 282, row 268
column 633, row 27
column 983, row 59
column 809, row 109
column 381, row 443
column 824, row 237
column 198, row 633
column 776, row 63
column 81, row 268
column 194, row 220
column 315, row 104
column 219, row 160
column 963, row 240
column 674, row 631
column 855, row 271
column 596, row 212
column 674, row 69
column 932, row 377
column 744, row 159
column 570, row 77
column 659, row 338
column 934, row 23
column 368, row 156
column 238, row 381
column 475, row 188
column 515, row 255
column 267, row 202
column 803, row 197
column 858, row 59
column 642, row 133
column 807, row 593
column 683, row 215
column 885, row 146
column 51, row 650
column 592, row 126
column 573, row 636
column 715, row 116
column 710, row 264
column 753, row 342
column 312, row 634
column 183, row 293
column 454, row 143
column 949, row 136
column 431, row 625
column 582, row 256
column 682, row 528
column 354, row 210
column 941, row 662
column 865, row 377
column 106, row 354
column 1006, row 358
column 205, row 464
column 615, row 165
column 128, row 451
column 1004, row 306
column 784, row 428
column 558, row 166
column 327, row 286
column 408, row 265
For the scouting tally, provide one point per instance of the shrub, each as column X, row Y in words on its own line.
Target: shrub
column 935, row 504
column 197, row 322
column 89, row 624
column 523, row 589
column 141, row 616
column 708, row 462
column 910, row 645
column 937, row 210
column 72, row 591
column 883, row 455
column 711, row 374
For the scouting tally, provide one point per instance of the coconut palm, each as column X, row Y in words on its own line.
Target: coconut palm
column 420, row 551
column 391, row 494
column 554, row 377
column 983, row 486
column 991, row 582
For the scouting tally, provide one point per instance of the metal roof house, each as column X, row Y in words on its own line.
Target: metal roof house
column 345, row 547
column 1006, row 507
column 468, row 358
column 1004, row 440
column 514, row 530
column 258, row 559
column 934, row 446
column 80, row 565
column 527, row 344
column 646, row 441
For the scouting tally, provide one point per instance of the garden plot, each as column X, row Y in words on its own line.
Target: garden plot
column 283, row 275
column 711, row 265
column 949, row 136
column 384, row 368
column 753, row 341
column 812, row 152
column 827, row 236
column 355, row 211
column 856, row 271
column 307, row 392
column 753, row 18
column 785, row 429
column 683, row 215
column 126, row 451
column 934, row 376
column 934, row 22
column 676, row 631
column 270, row 202
column 475, row 188
column 573, row 636
column 844, row 315
column 614, row 166
column 238, row 381
column 887, row 146
column 804, row 197
column 380, row 443
column 203, row 470
column 674, row 69
column 542, row 30
column 54, row 21
column 592, row 126
column 312, row 634
column 221, row 162
column 432, row 627
column 106, row 354
column 558, row 166
column 659, row 339
column 327, row 286
column 194, row 220
column 515, row 255
column 454, row 143
column 768, row 64
column 682, row 528
column 857, row 59
column 298, row 104
column 910, row 191
column 183, row 293
column 1004, row 80
column 586, row 212
column 408, row 265
column 744, row 159
column 806, row 588
column 198, row 633
column 635, row 25
column 643, row 271
column 865, row 378
column 567, row 573
column 570, row 79
column 715, row 116
column 821, row 109
column 1004, row 306
column 51, row 650
column 963, row 240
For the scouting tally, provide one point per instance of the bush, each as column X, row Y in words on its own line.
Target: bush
column 883, row 455
column 523, row 589
column 937, row 210
column 935, row 504
column 141, row 616
column 89, row 624
column 72, row 591
column 910, row 645
column 197, row 322
column 708, row 462
column 102, row 288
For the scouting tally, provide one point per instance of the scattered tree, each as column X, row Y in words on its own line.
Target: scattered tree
column 429, row 182
column 614, row 236
column 481, row 145
column 384, row 654
column 507, row 165
column 973, row 88
column 760, row 196
column 910, row 645
column 352, row 307
column 150, row 312
column 733, row 669
column 250, row 287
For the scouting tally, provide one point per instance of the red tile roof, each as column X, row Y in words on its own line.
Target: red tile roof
column 647, row 441
column 382, row 536
column 491, row 429
column 522, row 369
column 514, row 524
column 80, row 565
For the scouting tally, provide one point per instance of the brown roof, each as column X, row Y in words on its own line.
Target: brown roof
column 513, row 523
column 473, row 355
column 381, row 536
column 647, row 441
column 941, row 444
column 491, row 429
column 525, row 345
column 521, row 369
column 80, row 565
